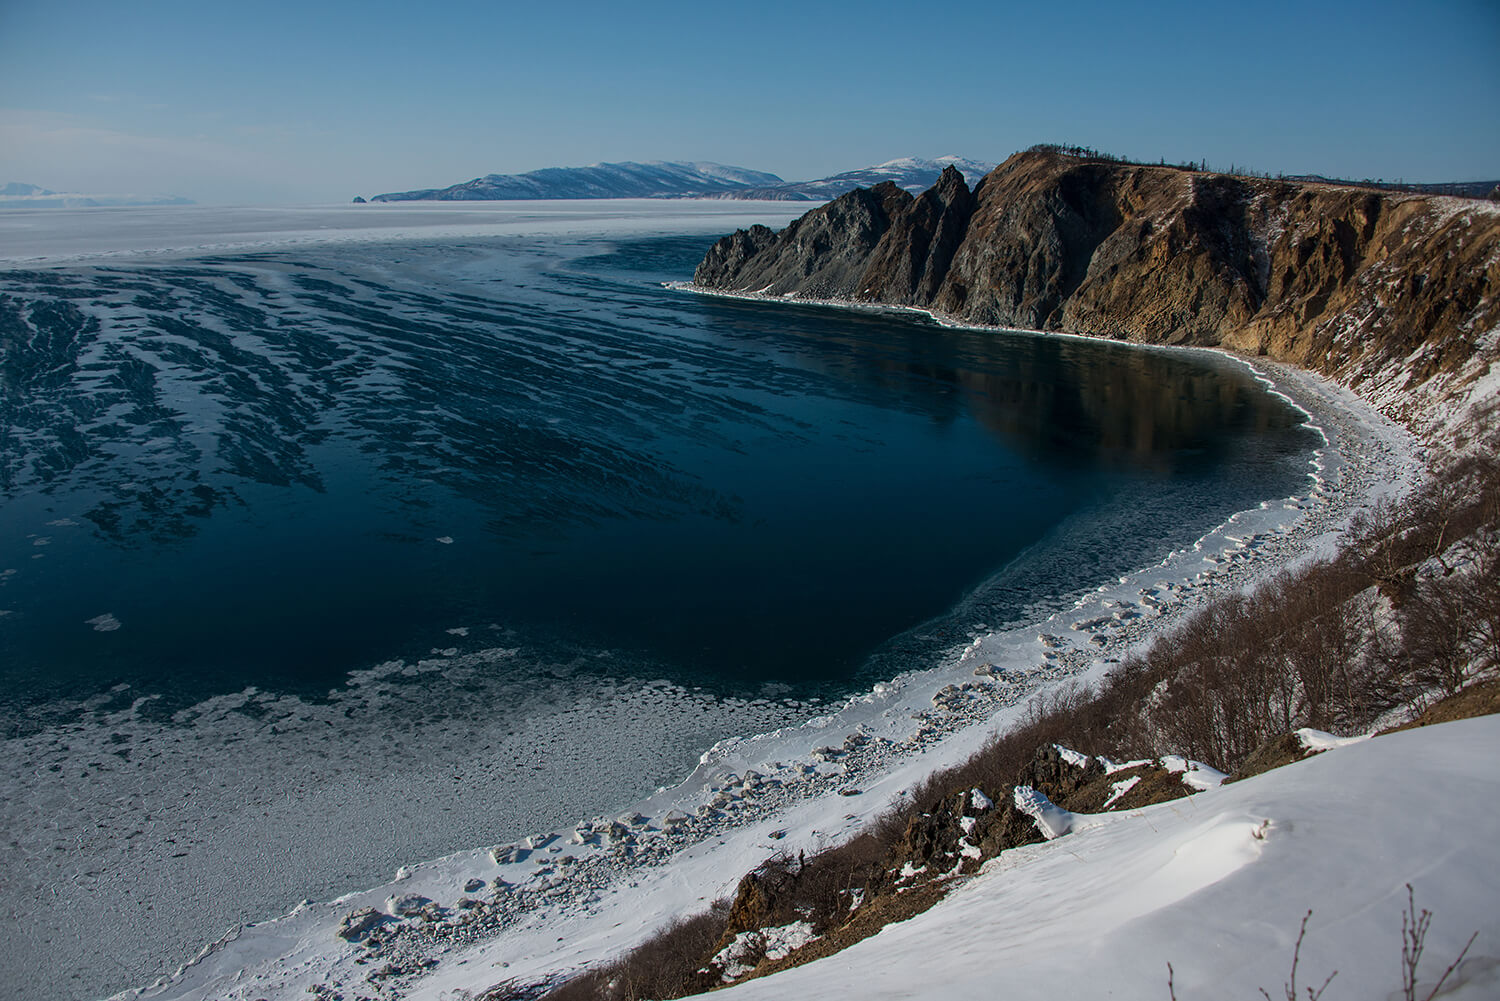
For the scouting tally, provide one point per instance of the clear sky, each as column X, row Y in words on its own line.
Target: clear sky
column 309, row 101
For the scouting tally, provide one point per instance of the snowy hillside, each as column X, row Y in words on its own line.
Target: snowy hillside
column 601, row 180
column 1217, row 885
column 697, row 179
column 912, row 173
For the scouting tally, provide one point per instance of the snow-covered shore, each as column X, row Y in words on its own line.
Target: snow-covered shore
column 1217, row 885
column 569, row 897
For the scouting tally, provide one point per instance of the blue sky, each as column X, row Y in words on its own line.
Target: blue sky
column 310, row 102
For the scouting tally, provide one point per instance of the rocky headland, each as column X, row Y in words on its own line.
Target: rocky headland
column 958, row 777
column 1383, row 291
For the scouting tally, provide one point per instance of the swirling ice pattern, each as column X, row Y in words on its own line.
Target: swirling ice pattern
column 187, row 381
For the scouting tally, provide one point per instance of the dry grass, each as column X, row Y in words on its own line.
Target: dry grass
column 666, row 965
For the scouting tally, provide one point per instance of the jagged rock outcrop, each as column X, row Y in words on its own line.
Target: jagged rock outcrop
column 911, row 260
column 758, row 897
column 1055, row 776
column 821, row 255
column 1348, row 281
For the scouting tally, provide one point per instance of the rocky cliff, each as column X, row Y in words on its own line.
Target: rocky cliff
column 1352, row 282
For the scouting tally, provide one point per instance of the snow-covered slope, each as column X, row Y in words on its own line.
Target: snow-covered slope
column 534, row 916
column 912, row 173
column 601, row 180
column 1217, row 886
column 697, row 179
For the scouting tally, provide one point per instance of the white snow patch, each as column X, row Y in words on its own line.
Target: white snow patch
column 1119, row 789
column 1052, row 820
column 1194, row 773
column 745, row 952
column 1317, row 740
column 1074, row 758
column 909, row 871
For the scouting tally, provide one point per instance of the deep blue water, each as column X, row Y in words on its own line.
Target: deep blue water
column 255, row 464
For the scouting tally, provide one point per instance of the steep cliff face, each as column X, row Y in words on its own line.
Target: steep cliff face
column 1347, row 281
column 819, row 256
column 911, row 261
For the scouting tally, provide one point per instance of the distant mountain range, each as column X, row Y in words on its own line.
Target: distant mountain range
column 696, row 179
column 602, row 180
column 33, row 196
column 912, row 173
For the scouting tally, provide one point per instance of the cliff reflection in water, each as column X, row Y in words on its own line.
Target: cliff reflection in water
column 1055, row 400
column 276, row 468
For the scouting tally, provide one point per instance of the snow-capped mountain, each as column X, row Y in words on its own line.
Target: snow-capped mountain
column 915, row 174
column 17, row 194
column 657, row 179
column 696, row 179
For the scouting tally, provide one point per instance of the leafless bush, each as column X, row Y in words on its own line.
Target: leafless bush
column 1303, row 650
column 666, row 965
column 1289, row 988
column 1413, row 939
column 1414, row 927
column 824, row 889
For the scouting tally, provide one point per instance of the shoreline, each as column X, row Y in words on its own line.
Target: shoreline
column 250, row 229
column 608, row 882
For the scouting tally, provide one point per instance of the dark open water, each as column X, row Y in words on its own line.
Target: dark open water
column 316, row 562
column 273, row 469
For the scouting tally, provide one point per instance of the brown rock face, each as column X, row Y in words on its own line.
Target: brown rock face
column 913, row 257
column 819, row 256
column 759, row 895
column 1056, row 778
column 1348, row 281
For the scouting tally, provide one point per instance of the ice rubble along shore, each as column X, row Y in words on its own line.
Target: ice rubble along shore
column 1324, row 280
column 478, row 917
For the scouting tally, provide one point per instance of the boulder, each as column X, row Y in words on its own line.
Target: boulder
column 357, row 924
column 405, row 905
column 1052, row 773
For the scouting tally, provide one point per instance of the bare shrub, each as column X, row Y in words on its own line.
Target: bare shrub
column 1414, row 926
column 667, row 965
column 1303, row 650
column 825, row 887
column 1413, row 939
column 1289, row 988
